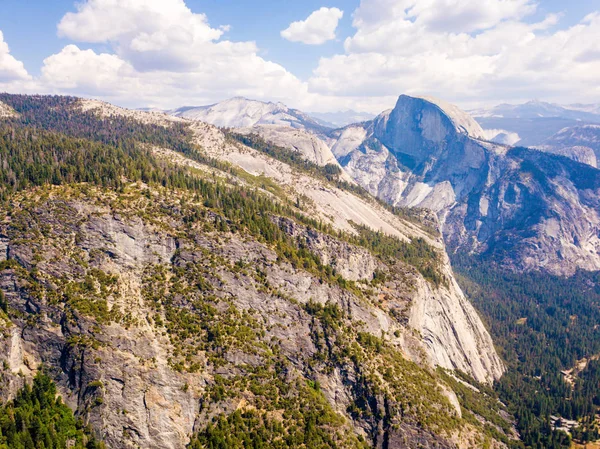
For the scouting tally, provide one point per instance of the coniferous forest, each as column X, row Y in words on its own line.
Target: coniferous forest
column 543, row 325
column 37, row 419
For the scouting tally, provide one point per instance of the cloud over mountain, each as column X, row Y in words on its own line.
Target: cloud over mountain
column 468, row 51
column 161, row 53
column 160, row 50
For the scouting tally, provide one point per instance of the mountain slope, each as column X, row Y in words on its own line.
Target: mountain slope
column 274, row 122
column 523, row 208
column 179, row 286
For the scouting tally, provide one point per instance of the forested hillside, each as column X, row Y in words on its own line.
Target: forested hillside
column 197, row 304
column 545, row 326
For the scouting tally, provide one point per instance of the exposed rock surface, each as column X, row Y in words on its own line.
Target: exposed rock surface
column 240, row 112
column 118, row 368
column 313, row 148
column 157, row 311
column 6, row 111
column 529, row 209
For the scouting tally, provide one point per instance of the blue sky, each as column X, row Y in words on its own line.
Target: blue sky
column 30, row 28
column 366, row 73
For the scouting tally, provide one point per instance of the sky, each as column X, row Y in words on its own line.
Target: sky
column 315, row 55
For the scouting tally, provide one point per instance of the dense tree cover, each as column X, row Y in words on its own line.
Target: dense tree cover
column 31, row 157
column 60, row 114
column 37, row 419
column 312, row 428
column 417, row 252
column 544, row 324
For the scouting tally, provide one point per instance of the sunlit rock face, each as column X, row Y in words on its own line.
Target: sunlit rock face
column 526, row 208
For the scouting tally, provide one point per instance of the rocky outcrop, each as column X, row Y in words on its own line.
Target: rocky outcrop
column 86, row 314
column 527, row 209
column 309, row 145
column 6, row 111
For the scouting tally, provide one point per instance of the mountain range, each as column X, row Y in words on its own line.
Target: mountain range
column 183, row 284
column 522, row 228
column 240, row 112
column 212, row 274
column 540, row 109
column 524, row 208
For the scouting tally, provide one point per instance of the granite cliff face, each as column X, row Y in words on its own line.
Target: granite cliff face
column 528, row 209
column 221, row 281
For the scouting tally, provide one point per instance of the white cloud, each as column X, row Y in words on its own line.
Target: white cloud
column 317, row 29
column 465, row 51
column 11, row 69
column 458, row 16
column 151, row 34
column 76, row 70
column 108, row 76
column 161, row 52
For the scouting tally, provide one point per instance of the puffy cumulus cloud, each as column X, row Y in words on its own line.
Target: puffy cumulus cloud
column 145, row 22
column 108, row 76
column 317, row 29
column 11, row 69
column 150, row 34
column 163, row 53
column 465, row 51
column 76, row 70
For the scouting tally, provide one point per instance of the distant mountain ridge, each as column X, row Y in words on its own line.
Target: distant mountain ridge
column 532, row 123
column 240, row 112
column 540, row 109
column 341, row 118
